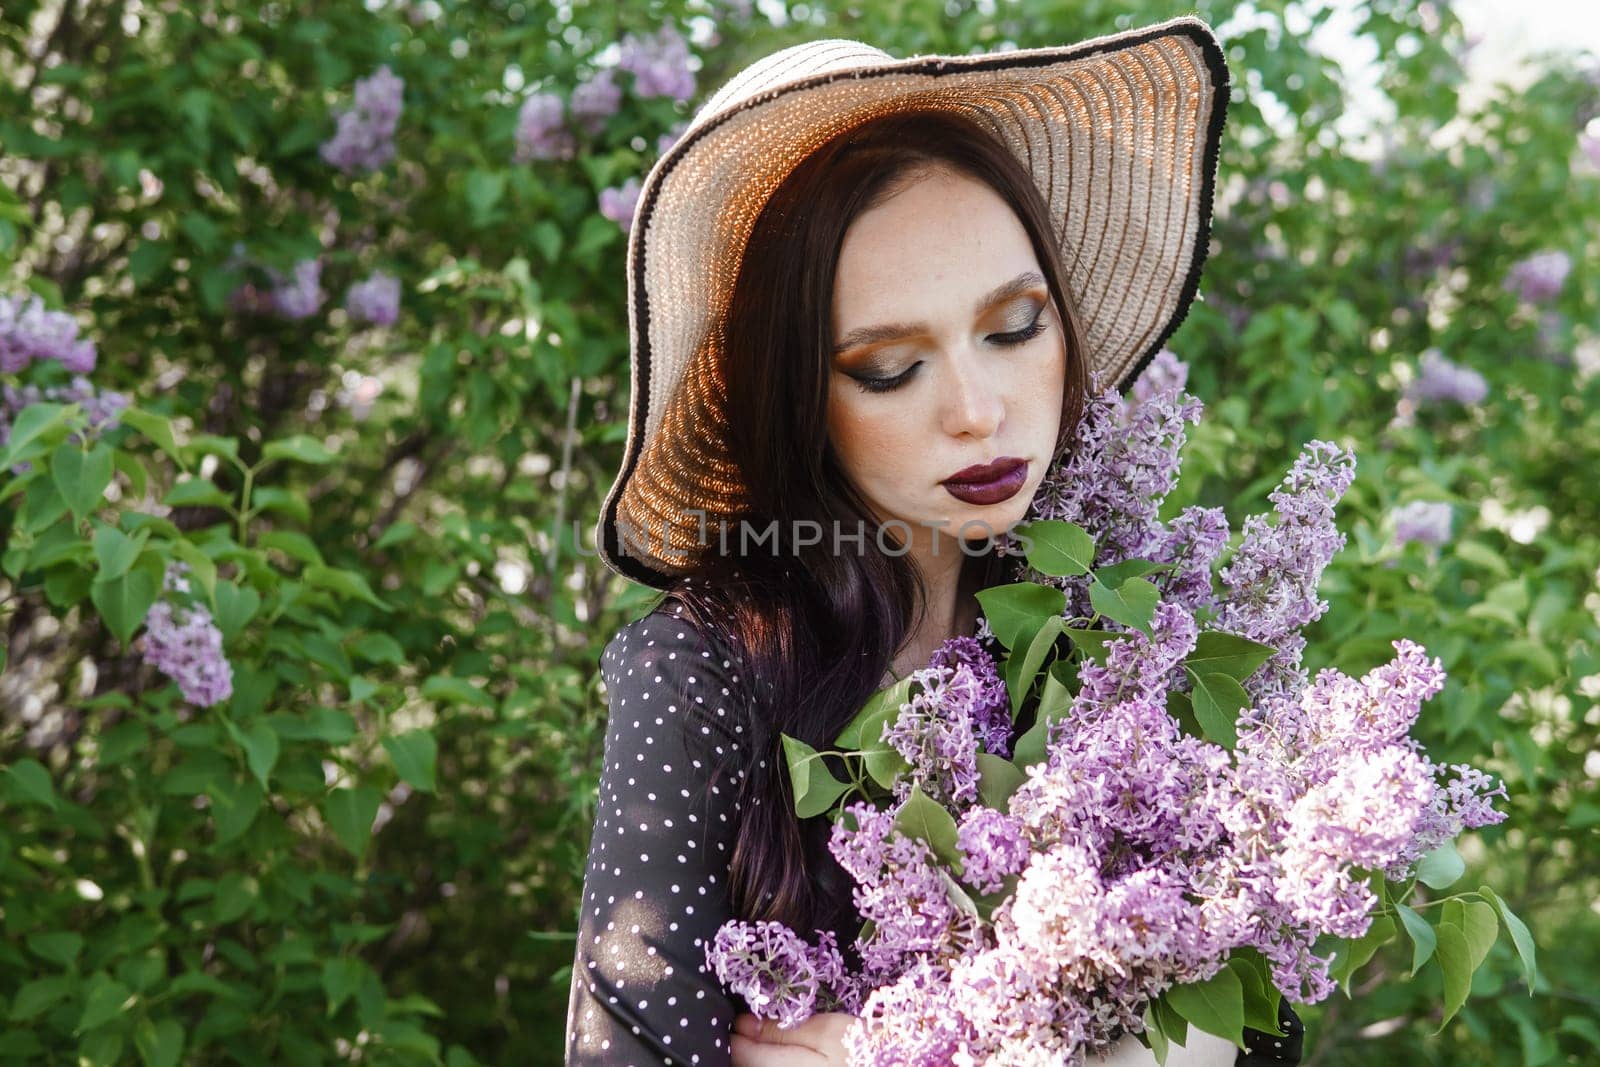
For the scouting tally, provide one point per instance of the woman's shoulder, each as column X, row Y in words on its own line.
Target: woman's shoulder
column 670, row 663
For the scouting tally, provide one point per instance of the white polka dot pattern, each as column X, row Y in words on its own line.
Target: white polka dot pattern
column 655, row 890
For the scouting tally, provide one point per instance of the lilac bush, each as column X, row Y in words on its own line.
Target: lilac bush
column 1440, row 380
column 1424, row 521
column 1537, row 279
column 620, row 202
column 541, row 130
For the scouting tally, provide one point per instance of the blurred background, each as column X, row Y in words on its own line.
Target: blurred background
column 314, row 371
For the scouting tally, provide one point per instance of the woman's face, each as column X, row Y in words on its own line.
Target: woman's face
column 950, row 355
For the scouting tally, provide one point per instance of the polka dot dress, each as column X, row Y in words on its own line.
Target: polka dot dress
column 655, row 890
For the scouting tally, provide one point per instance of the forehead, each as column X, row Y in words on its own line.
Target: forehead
column 929, row 252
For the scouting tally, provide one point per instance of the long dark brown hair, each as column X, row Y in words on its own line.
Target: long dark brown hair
column 816, row 628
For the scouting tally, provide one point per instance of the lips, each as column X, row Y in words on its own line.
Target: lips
column 988, row 483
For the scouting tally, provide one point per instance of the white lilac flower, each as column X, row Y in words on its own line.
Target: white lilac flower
column 1426, row 521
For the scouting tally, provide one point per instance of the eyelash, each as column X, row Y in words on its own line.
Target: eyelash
column 1018, row 337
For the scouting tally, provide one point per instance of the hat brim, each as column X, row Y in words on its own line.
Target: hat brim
column 1121, row 133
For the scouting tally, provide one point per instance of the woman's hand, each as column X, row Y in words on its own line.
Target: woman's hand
column 816, row 1042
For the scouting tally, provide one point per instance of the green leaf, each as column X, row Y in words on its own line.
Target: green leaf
column 1094, row 644
column 998, row 778
column 159, row 1044
column 1218, row 699
column 260, row 744
column 292, row 543
column 1423, row 941
column 1261, row 997
column 350, row 813
column 889, row 697
column 342, row 976
column 31, row 782
column 1477, row 922
column 1441, row 868
column 236, row 605
column 1175, row 1026
column 36, row 996
column 234, row 806
column 104, row 1002
column 926, row 819
column 1156, row 1036
column 81, row 476
column 1220, row 653
column 1117, row 573
column 1215, row 1005
column 1356, row 953
column 815, row 788
column 1133, row 603
column 298, row 447
column 1020, row 674
column 415, row 754
column 1019, row 608
column 1455, row 961
column 348, row 584
column 115, row 551
column 196, row 492
column 1521, row 938
column 156, row 428
column 123, row 602
column 35, row 421
column 484, row 190
column 60, row 947
column 1055, row 704
column 201, row 567
column 1060, row 549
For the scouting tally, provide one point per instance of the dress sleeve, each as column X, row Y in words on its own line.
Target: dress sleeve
column 655, row 889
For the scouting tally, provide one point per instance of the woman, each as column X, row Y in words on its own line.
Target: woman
column 867, row 296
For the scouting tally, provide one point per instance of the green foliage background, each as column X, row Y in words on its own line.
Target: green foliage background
column 373, row 851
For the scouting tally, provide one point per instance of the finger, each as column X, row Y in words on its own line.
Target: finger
column 748, row 1053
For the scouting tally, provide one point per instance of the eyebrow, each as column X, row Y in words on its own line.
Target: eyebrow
column 890, row 331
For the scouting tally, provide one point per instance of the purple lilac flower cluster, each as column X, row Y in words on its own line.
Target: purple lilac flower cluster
column 364, row 138
column 1537, row 279
column 184, row 643
column 541, row 130
column 1136, row 856
column 1122, row 467
column 619, row 203
column 659, row 63
column 1273, row 576
column 375, row 299
column 778, row 974
column 1440, row 380
column 29, row 332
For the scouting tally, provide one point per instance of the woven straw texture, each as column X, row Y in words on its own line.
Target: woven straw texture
column 1120, row 134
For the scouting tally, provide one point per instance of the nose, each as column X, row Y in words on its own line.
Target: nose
column 973, row 403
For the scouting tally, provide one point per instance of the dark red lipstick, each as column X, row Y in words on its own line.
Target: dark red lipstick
column 988, row 483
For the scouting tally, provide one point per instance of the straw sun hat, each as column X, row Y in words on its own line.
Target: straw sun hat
column 1120, row 134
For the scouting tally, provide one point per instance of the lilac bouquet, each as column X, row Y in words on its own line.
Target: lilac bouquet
column 1188, row 826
